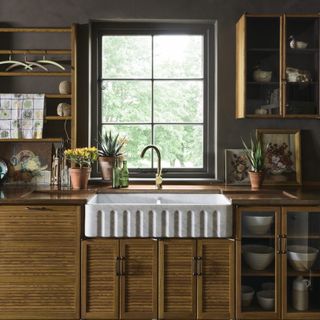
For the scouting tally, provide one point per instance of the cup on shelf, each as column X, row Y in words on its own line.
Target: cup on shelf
column 247, row 294
column 266, row 299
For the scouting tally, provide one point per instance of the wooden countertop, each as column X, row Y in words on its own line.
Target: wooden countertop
column 243, row 195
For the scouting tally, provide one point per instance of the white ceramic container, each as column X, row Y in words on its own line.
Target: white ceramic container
column 258, row 225
column 258, row 257
column 266, row 299
column 302, row 258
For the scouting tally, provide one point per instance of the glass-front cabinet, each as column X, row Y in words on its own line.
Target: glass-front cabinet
column 258, row 280
column 278, row 263
column 301, row 263
column 277, row 66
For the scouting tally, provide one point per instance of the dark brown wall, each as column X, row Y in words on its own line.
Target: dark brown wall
column 63, row 13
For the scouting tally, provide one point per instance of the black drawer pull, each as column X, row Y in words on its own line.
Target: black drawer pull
column 39, row 208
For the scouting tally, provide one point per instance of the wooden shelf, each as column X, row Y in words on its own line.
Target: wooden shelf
column 33, row 140
column 302, row 236
column 264, row 83
column 58, row 96
column 35, row 74
column 57, row 118
column 37, row 51
column 294, row 273
column 247, row 272
column 35, row 30
column 263, row 50
column 265, row 236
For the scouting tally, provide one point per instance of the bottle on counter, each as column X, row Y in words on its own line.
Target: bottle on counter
column 116, row 175
column 124, row 175
column 300, row 294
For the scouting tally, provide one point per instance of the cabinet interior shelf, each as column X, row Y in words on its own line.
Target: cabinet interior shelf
column 57, row 118
column 33, row 140
column 41, row 74
column 264, row 236
column 37, row 51
column 263, row 49
column 270, row 83
column 247, row 272
column 57, row 96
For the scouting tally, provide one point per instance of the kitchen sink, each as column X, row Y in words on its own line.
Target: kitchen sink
column 159, row 215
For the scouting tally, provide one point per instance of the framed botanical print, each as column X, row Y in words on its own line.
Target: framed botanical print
column 236, row 167
column 282, row 156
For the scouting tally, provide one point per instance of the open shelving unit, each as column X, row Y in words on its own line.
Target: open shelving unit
column 53, row 130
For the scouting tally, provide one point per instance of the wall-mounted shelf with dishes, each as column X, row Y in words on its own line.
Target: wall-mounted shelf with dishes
column 277, row 72
column 48, row 56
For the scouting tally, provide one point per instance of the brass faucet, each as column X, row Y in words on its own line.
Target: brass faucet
column 159, row 170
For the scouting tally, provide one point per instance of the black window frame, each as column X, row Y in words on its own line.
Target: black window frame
column 97, row 29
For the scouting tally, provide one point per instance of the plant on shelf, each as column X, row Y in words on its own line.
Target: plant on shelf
column 81, row 160
column 256, row 157
column 111, row 148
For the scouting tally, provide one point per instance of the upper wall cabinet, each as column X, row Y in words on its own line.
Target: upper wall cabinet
column 277, row 62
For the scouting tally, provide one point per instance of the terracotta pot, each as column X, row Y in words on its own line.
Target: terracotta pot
column 106, row 166
column 79, row 177
column 256, row 179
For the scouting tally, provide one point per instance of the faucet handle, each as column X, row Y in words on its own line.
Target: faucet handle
column 159, row 180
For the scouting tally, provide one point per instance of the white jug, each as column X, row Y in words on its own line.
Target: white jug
column 300, row 293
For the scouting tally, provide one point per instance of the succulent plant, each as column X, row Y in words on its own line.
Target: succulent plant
column 110, row 146
column 255, row 154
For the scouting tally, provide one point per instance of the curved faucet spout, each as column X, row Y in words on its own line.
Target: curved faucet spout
column 158, row 175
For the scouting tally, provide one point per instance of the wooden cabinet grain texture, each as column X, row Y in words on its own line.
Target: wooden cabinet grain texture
column 40, row 262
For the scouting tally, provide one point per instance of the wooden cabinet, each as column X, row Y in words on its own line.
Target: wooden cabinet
column 196, row 279
column 119, row 279
column 277, row 72
column 292, row 231
column 40, row 262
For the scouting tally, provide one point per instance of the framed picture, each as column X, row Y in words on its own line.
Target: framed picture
column 283, row 156
column 236, row 167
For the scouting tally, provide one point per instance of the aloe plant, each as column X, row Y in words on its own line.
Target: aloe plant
column 110, row 146
column 255, row 154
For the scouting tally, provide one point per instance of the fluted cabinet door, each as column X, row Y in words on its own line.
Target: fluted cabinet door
column 177, row 279
column 138, row 293
column 215, row 292
column 39, row 262
column 100, row 279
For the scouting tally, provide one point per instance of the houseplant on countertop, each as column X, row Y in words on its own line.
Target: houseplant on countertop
column 81, row 160
column 256, row 157
column 110, row 148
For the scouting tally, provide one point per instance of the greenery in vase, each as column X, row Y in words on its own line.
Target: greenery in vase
column 111, row 146
column 82, row 157
column 255, row 154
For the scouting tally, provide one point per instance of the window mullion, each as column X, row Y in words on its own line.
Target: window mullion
column 152, row 99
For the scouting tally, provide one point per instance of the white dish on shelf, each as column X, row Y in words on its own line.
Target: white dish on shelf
column 302, row 258
column 262, row 75
column 266, row 299
column 258, row 225
column 247, row 294
column 258, row 257
column 301, row 44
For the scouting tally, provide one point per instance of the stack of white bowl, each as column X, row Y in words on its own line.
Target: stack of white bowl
column 302, row 258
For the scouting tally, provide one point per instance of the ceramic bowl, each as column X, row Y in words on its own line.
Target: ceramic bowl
column 266, row 299
column 301, row 44
column 258, row 225
column 258, row 257
column 262, row 76
column 302, row 258
column 247, row 294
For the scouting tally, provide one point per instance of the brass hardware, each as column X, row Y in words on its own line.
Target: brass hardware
column 39, row 208
column 279, row 251
column 199, row 266
column 194, row 266
column 123, row 267
column 284, row 242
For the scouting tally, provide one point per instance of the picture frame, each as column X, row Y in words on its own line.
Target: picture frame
column 283, row 156
column 237, row 167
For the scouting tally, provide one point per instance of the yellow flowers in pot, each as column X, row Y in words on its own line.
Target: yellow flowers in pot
column 82, row 157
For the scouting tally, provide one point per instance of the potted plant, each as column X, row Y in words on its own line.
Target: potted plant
column 256, row 156
column 81, row 160
column 110, row 148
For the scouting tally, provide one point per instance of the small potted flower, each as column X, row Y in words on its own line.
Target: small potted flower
column 81, row 160
column 256, row 157
column 110, row 149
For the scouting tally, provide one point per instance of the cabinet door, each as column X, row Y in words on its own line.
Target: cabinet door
column 138, row 279
column 177, row 279
column 258, row 263
column 100, row 279
column 215, row 279
column 40, row 262
column 301, row 263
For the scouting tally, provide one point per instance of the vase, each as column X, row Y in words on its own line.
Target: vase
column 106, row 166
column 79, row 177
column 256, row 179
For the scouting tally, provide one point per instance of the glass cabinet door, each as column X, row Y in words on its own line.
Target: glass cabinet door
column 301, row 67
column 301, row 263
column 258, row 238
column 263, row 66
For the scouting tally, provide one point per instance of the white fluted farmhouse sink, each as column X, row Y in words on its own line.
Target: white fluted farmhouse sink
column 158, row 215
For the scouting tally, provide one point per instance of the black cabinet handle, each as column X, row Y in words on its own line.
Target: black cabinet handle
column 194, row 266
column 199, row 266
column 118, row 266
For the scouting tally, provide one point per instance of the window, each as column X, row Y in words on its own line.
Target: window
column 153, row 83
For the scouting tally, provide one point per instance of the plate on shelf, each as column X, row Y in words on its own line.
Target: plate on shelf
column 3, row 170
